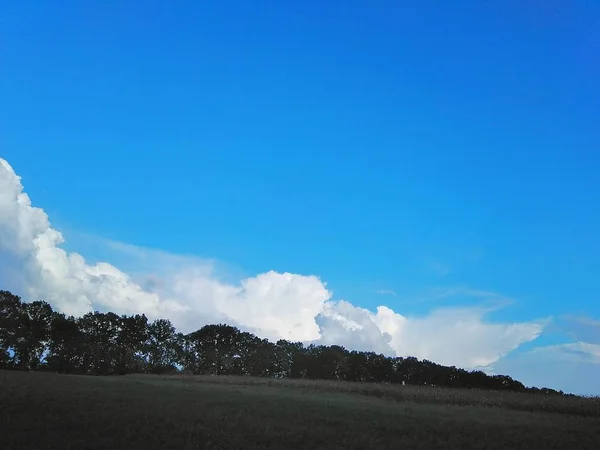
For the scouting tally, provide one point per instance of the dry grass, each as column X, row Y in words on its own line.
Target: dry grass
column 579, row 406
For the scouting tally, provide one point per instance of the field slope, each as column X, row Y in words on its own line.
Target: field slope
column 50, row 411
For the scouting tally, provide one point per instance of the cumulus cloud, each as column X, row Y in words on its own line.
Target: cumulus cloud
column 188, row 291
column 449, row 336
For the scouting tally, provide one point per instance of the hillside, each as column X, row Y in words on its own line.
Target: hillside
column 43, row 410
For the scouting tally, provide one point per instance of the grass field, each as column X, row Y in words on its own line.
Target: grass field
column 50, row 411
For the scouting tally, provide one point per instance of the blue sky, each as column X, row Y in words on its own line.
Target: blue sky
column 382, row 146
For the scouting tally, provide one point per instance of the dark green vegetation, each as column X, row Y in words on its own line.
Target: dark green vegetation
column 52, row 411
column 34, row 337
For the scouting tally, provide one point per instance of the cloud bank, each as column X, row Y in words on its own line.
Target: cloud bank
column 572, row 367
column 188, row 291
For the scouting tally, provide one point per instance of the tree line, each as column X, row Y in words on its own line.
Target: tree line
column 35, row 337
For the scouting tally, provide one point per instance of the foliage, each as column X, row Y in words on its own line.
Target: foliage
column 34, row 337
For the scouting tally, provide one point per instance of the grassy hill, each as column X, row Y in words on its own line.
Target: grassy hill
column 45, row 410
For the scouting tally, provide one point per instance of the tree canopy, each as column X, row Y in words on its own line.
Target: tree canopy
column 35, row 337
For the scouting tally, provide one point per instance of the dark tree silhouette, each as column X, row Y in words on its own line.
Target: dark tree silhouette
column 34, row 334
column 132, row 337
column 11, row 312
column 163, row 347
column 66, row 350
column 34, row 337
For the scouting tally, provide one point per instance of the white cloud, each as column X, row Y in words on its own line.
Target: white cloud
column 450, row 336
column 273, row 305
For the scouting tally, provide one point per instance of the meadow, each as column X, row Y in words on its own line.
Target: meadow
column 51, row 411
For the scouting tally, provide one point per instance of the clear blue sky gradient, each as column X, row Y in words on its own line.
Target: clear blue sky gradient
column 380, row 145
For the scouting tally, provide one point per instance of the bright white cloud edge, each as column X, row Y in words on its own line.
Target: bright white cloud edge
column 272, row 305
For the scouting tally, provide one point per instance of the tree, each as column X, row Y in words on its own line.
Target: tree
column 131, row 341
column 33, row 337
column 212, row 349
column 11, row 316
column 24, row 332
column 357, row 367
column 66, row 349
column 289, row 359
column 34, row 334
column 100, row 333
column 163, row 347
column 380, row 367
column 256, row 357
column 325, row 362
